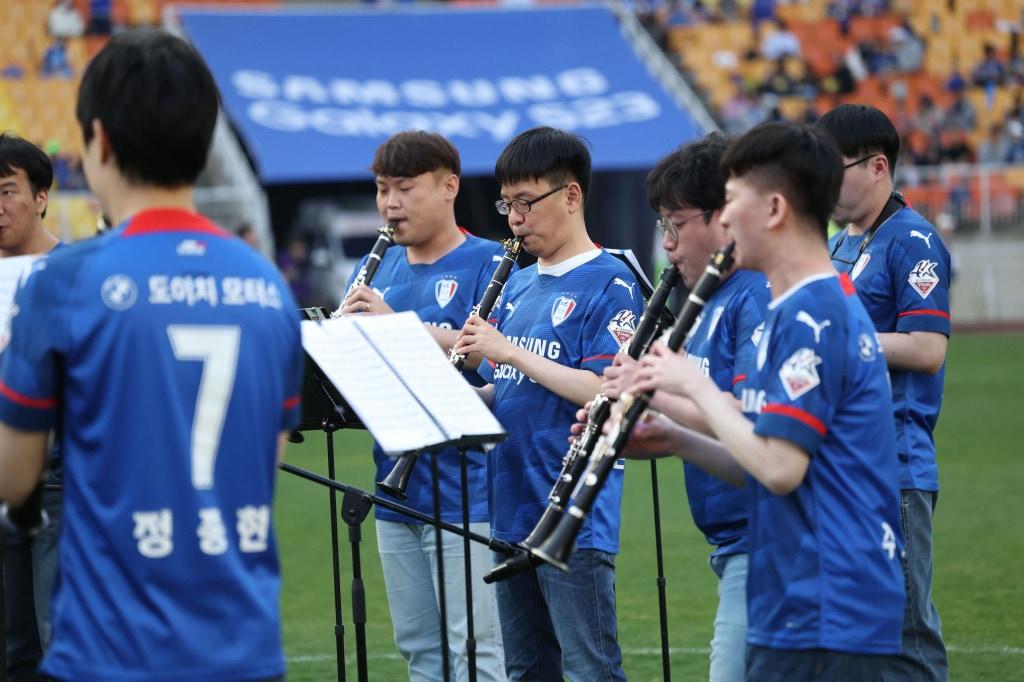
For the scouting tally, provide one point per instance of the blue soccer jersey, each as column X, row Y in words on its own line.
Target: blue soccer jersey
column 578, row 317
column 169, row 352
column 724, row 344
column 825, row 566
column 442, row 294
column 902, row 278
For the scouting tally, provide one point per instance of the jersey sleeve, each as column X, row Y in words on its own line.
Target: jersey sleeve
column 801, row 378
column 610, row 324
column 292, row 407
column 749, row 325
column 29, row 365
column 921, row 271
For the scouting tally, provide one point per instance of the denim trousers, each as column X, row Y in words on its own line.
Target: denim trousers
column 729, row 644
column 30, row 566
column 812, row 665
column 555, row 622
column 409, row 559
column 924, row 655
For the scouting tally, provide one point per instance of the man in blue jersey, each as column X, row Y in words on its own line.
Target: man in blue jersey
column 29, row 563
column 439, row 271
column 901, row 270
column 825, row 590
column 561, row 323
column 688, row 191
column 168, row 353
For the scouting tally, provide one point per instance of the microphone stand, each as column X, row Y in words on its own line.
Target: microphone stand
column 442, row 601
column 467, row 566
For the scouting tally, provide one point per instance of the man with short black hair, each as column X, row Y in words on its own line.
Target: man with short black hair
column 561, row 322
column 825, row 590
column 901, row 269
column 29, row 564
column 169, row 352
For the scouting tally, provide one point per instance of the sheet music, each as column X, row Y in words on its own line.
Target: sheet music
column 425, row 369
column 371, row 388
column 11, row 271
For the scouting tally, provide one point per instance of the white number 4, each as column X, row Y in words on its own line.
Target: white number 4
column 217, row 348
column 888, row 540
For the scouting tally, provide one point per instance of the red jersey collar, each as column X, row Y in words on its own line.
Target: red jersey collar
column 155, row 220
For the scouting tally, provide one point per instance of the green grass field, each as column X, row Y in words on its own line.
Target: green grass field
column 978, row 546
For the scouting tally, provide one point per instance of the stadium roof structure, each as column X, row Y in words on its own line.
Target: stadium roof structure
column 313, row 92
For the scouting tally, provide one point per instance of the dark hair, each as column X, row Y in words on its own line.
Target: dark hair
column 800, row 161
column 690, row 176
column 17, row 153
column 157, row 102
column 544, row 153
column 413, row 153
column 860, row 129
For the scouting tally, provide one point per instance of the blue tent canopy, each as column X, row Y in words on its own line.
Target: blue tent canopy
column 314, row 93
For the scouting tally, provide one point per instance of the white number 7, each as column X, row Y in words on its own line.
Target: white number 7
column 217, row 348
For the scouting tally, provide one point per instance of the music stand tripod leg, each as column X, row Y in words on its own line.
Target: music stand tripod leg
column 438, row 541
column 339, row 625
column 467, row 567
column 355, row 505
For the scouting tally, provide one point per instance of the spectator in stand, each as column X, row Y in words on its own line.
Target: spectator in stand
column 65, row 21
column 780, row 43
column 956, row 81
column 1015, row 153
column 742, row 111
column 99, row 18
column 995, row 148
column 929, row 116
column 907, row 47
column 961, row 115
column 990, row 72
column 55, row 61
column 954, row 147
column 293, row 262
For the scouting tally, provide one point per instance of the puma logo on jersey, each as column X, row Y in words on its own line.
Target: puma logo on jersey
column 804, row 317
column 628, row 287
column 510, row 308
column 380, row 293
column 927, row 238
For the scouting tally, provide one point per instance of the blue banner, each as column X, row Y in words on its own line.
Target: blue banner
column 314, row 93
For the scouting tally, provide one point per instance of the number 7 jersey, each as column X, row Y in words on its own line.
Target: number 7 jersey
column 169, row 354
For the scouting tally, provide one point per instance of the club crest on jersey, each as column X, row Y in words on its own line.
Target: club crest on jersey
column 562, row 309
column 799, row 373
column 623, row 326
column 923, row 277
column 866, row 347
column 444, row 290
column 858, row 267
column 119, row 292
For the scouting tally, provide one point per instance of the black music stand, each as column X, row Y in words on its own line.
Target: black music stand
column 443, row 412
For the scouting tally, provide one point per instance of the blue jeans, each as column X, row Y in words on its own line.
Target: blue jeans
column 30, row 566
column 729, row 645
column 409, row 559
column 812, row 665
column 553, row 622
column 924, row 654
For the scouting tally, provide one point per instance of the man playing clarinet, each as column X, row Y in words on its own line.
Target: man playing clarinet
column 560, row 324
column 439, row 271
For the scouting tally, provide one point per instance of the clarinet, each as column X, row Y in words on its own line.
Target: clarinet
column 557, row 547
column 386, row 237
column 652, row 323
column 397, row 481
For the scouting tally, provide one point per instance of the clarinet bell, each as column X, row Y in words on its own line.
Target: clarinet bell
column 397, row 481
column 558, row 546
column 514, row 565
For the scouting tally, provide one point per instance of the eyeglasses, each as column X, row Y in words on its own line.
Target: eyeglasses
column 522, row 206
column 859, row 161
column 671, row 229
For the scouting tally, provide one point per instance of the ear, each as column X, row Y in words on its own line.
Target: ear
column 880, row 167
column 778, row 209
column 102, row 139
column 42, row 201
column 574, row 197
column 451, row 186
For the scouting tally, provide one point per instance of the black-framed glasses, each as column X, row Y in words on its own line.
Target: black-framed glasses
column 859, row 161
column 671, row 229
column 522, row 206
